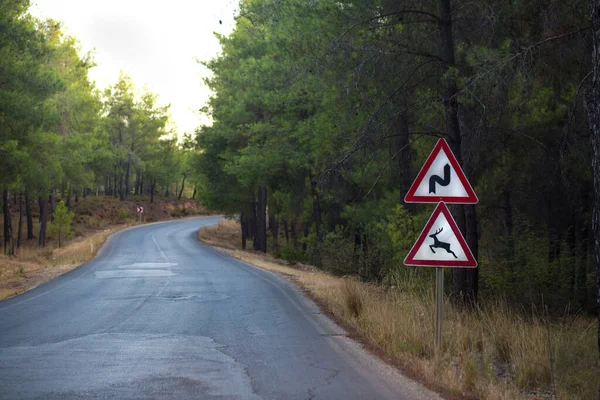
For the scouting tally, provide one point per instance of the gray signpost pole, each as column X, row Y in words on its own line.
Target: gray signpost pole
column 439, row 303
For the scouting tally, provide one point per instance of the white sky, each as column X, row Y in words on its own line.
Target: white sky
column 155, row 42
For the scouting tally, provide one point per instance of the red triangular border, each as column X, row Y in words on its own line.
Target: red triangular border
column 471, row 197
column 410, row 258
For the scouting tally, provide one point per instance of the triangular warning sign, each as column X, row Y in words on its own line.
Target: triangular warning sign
column 441, row 244
column 441, row 179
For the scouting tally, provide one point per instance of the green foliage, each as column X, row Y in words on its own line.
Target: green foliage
column 123, row 213
column 61, row 223
column 308, row 100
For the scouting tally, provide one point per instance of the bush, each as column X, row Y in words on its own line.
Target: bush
column 291, row 254
column 61, row 226
column 122, row 214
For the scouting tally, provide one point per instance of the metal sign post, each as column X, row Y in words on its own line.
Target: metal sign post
column 439, row 303
column 441, row 243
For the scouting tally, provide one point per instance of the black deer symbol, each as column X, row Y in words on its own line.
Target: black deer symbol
column 440, row 245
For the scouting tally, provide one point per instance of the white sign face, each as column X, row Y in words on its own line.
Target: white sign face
column 140, row 209
column 441, row 179
column 441, row 244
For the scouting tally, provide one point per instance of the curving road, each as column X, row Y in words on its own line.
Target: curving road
column 159, row 315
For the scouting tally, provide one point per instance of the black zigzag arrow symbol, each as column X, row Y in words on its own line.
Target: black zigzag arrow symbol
column 441, row 181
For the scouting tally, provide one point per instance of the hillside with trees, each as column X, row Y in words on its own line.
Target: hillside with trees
column 63, row 138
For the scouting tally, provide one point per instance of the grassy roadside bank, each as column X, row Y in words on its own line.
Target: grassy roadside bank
column 493, row 353
column 96, row 218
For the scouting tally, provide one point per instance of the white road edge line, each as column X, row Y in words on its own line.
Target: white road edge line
column 161, row 252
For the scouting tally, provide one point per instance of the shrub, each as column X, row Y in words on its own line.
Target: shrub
column 122, row 214
column 61, row 226
column 291, row 254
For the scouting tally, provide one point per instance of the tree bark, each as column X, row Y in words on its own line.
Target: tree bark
column 294, row 229
column 286, row 231
column 51, row 204
column 316, row 206
column 194, row 194
column 244, row 227
column 593, row 110
column 44, row 220
column 114, row 190
column 152, row 191
column 121, row 191
column 403, row 157
column 136, row 189
column 29, row 217
column 20, row 229
column 261, row 222
column 8, row 248
column 182, row 187
column 274, row 231
column 127, row 173
column 464, row 280
column 306, row 231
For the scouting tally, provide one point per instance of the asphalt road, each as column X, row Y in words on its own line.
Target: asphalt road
column 159, row 315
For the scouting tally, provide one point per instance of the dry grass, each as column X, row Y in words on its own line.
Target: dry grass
column 490, row 354
column 225, row 234
column 33, row 265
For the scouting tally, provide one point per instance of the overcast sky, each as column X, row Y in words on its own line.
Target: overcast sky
column 155, row 42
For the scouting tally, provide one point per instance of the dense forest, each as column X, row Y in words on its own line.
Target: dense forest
column 324, row 111
column 61, row 136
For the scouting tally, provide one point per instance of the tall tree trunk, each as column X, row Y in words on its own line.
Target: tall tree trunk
column 593, row 110
column 464, row 280
column 194, row 194
column 306, row 231
column 244, row 227
column 15, row 198
column 69, row 197
column 294, row 229
column 152, row 187
column 274, row 227
column 136, row 189
column 44, row 220
column 286, row 232
column 261, row 223
column 255, row 226
column 121, row 189
column 29, row 217
column 403, row 157
column 77, row 196
column 141, row 183
column 182, row 187
column 316, row 206
column 20, row 230
column 52, row 203
column 40, row 205
column 114, row 190
column 8, row 248
column 127, row 173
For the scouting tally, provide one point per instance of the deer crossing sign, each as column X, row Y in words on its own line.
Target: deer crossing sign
column 441, row 244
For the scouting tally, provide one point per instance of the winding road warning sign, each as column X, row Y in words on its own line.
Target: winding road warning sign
column 441, row 243
column 441, row 179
